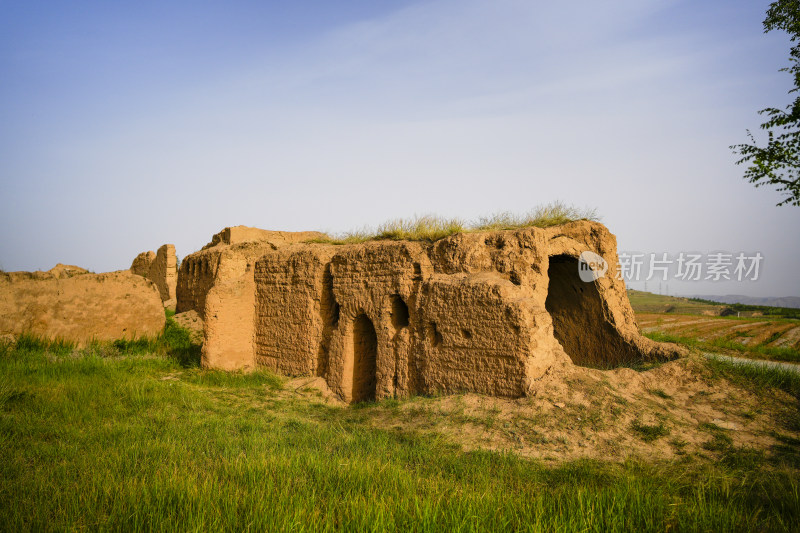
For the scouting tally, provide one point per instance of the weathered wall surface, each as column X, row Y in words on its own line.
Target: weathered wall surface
column 376, row 287
column 66, row 271
column 486, row 312
column 293, row 293
column 196, row 276
column 142, row 263
column 240, row 234
column 80, row 308
column 230, row 254
column 228, row 337
column 161, row 268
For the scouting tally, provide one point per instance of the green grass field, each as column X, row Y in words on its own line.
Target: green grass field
column 771, row 334
column 731, row 347
column 648, row 302
column 136, row 437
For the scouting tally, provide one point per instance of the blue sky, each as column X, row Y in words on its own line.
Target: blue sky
column 125, row 126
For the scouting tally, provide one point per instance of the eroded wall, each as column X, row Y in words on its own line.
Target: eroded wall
column 196, row 276
column 228, row 337
column 231, row 253
column 294, row 310
column 80, row 308
column 486, row 312
column 161, row 267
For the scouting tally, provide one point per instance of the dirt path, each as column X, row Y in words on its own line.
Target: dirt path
column 754, row 362
column 788, row 339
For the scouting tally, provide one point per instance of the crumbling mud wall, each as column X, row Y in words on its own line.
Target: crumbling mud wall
column 230, row 254
column 66, row 271
column 161, row 268
column 228, row 336
column 79, row 307
column 485, row 312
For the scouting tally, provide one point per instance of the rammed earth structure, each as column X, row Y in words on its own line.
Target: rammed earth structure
column 485, row 312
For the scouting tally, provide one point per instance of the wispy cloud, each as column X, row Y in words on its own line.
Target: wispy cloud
column 455, row 107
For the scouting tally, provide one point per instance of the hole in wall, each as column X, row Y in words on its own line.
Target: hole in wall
column 497, row 242
column 329, row 305
column 434, row 337
column 515, row 278
column 466, row 333
column 365, row 354
column 399, row 312
column 329, row 315
column 579, row 322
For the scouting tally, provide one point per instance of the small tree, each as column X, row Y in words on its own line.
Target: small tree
column 778, row 163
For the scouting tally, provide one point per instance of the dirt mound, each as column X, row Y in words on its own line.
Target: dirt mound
column 79, row 307
column 670, row 411
column 66, row 271
column 191, row 322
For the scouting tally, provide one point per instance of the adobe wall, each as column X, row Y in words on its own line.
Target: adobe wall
column 241, row 234
column 66, row 271
column 79, row 307
column 229, row 255
column 161, row 268
column 486, row 312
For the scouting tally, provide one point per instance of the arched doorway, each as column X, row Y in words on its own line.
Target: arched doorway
column 365, row 354
column 579, row 321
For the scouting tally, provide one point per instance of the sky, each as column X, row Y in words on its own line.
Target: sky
column 124, row 126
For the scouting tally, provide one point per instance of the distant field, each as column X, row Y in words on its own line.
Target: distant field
column 647, row 302
column 749, row 333
column 760, row 337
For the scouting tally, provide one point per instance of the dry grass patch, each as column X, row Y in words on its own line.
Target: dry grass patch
column 432, row 227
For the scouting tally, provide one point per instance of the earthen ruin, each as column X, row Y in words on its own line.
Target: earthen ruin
column 229, row 254
column 484, row 312
column 72, row 304
column 487, row 312
column 161, row 268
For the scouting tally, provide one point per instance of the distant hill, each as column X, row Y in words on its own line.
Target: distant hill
column 784, row 301
column 647, row 302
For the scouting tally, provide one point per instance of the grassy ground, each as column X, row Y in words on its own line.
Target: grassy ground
column 730, row 346
column 647, row 302
column 135, row 436
column 432, row 228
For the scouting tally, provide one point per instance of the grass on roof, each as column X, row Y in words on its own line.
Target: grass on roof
column 432, row 227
